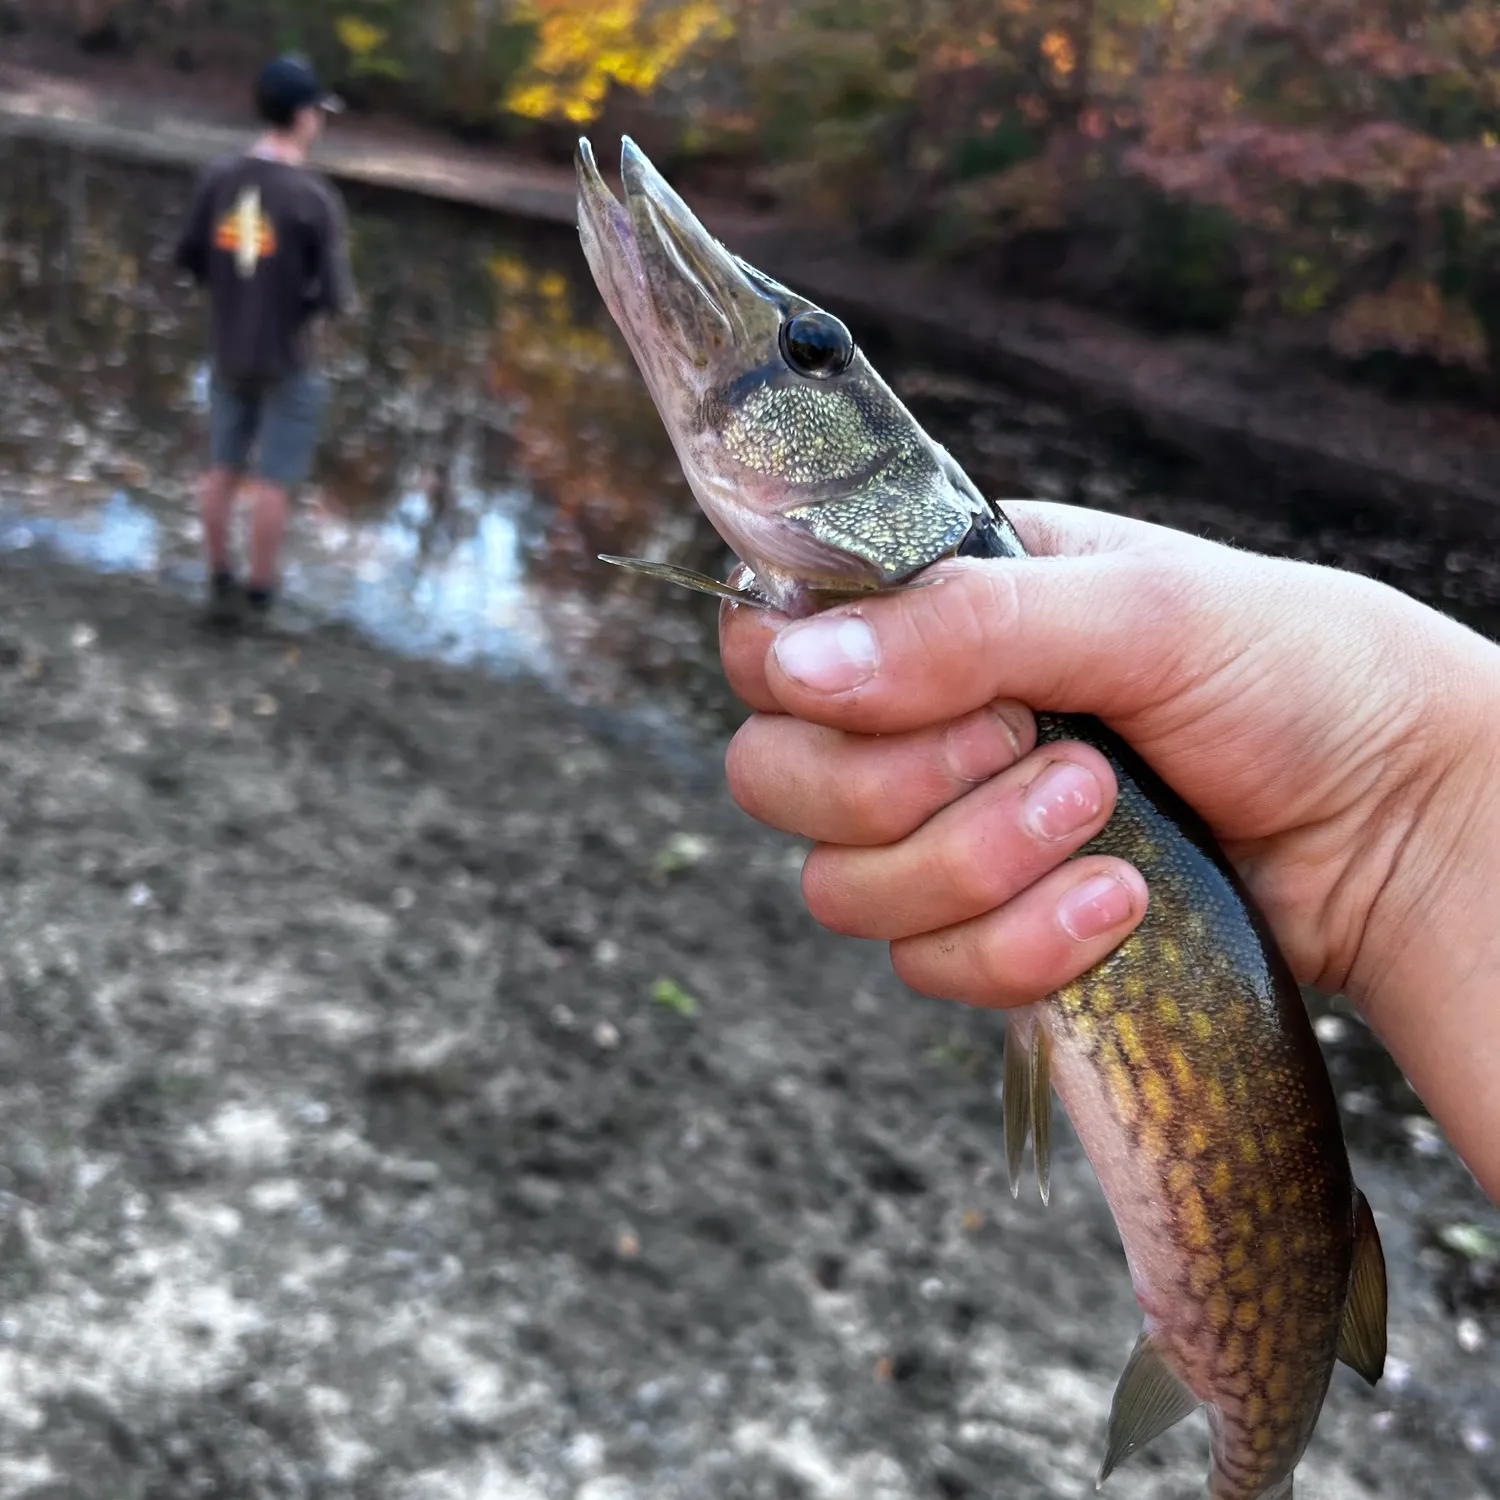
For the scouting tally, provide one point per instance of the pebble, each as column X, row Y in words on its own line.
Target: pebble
column 1475, row 1439
column 1331, row 1029
column 607, row 1487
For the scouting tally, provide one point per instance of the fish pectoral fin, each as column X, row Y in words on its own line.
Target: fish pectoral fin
column 1041, row 1108
column 686, row 578
column 1148, row 1400
column 1362, row 1333
column 1016, row 1096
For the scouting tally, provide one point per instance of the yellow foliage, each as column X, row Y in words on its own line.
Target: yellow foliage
column 1411, row 318
column 583, row 46
column 1058, row 49
column 358, row 37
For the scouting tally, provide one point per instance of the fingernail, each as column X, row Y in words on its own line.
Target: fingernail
column 1099, row 905
column 1016, row 718
column 981, row 745
column 829, row 656
column 1063, row 800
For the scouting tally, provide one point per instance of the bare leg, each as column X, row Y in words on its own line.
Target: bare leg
column 268, row 508
column 215, row 503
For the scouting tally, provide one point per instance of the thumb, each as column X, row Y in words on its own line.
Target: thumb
column 1111, row 633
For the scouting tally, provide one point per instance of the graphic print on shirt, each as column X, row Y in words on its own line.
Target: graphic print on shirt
column 246, row 233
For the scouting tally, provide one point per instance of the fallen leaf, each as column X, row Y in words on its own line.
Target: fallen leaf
column 670, row 995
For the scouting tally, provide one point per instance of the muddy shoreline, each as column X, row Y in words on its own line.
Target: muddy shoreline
column 1219, row 403
column 359, row 1141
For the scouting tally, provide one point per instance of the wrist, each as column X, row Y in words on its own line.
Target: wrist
column 1428, row 973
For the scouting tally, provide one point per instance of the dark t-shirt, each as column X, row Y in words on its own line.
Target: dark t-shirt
column 270, row 242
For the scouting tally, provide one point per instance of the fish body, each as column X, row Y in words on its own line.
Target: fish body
column 1189, row 1069
column 1185, row 1060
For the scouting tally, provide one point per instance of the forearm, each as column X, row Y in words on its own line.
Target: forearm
column 1430, row 986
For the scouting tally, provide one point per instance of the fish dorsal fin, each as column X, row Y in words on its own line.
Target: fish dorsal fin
column 1016, row 1098
column 686, row 578
column 1148, row 1400
column 1362, row 1333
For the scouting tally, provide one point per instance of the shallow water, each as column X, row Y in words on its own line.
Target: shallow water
column 488, row 435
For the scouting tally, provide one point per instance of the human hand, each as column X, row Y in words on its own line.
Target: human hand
column 1340, row 739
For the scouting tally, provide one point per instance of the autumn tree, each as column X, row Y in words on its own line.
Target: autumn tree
column 1355, row 143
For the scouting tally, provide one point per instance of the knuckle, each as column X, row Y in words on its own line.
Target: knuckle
column 995, row 978
column 743, row 767
column 871, row 800
column 964, row 615
column 960, row 876
column 919, row 964
column 968, row 860
column 826, row 889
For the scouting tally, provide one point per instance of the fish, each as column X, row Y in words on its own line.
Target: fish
column 1185, row 1060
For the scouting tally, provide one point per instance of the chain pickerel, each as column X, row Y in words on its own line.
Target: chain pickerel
column 1185, row 1060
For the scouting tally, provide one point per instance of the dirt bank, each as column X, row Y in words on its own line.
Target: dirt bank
column 1277, row 422
column 358, row 1139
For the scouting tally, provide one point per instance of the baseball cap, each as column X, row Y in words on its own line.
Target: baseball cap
column 287, row 84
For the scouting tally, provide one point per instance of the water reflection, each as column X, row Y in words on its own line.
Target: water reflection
column 487, row 435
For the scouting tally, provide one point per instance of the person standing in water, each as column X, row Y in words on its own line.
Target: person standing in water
column 268, row 237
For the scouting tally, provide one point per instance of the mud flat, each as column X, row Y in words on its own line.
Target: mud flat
column 414, row 1087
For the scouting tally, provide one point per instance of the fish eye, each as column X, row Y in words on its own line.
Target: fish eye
column 816, row 344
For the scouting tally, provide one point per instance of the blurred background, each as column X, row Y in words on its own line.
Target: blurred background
column 418, row 1080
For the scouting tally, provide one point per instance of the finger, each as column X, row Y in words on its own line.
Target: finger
column 972, row 857
column 1046, row 938
column 838, row 788
column 745, row 636
column 1105, row 634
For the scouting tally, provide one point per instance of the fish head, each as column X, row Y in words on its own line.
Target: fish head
column 802, row 458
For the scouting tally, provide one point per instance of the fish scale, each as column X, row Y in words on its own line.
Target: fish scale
column 1191, row 1045
column 1185, row 1059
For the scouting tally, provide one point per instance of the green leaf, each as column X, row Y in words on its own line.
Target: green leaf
column 1470, row 1241
column 682, row 852
column 670, row 995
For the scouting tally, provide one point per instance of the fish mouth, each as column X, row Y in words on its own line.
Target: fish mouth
column 663, row 275
column 697, row 319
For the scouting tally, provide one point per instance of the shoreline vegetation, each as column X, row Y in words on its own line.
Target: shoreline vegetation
column 1268, row 239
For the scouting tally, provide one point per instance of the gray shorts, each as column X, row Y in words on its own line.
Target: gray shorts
column 276, row 421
